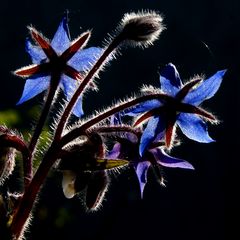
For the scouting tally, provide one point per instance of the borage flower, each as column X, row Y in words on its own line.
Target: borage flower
column 59, row 62
column 180, row 109
column 128, row 148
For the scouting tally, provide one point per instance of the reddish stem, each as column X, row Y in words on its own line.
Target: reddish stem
column 87, row 79
column 24, row 208
column 8, row 140
column 75, row 133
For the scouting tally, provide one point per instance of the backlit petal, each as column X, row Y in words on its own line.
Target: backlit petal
column 167, row 161
column 61, row 39
column 141, row 170
column 205, row 90
column 193, row 127
column 33, row 87
column 115, row 152
column 69, row 86
column 143, row 107
column 170, row 80
column 83, row 59
column 155, row 126
column 36, row 53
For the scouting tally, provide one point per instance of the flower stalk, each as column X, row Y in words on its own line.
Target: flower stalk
column 80, row 151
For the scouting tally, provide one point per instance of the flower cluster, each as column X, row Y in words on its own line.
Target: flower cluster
column 139, row 132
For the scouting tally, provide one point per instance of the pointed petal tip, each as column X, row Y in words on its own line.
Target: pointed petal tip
column 19, row 102
column 222, row 72
column 32, row 30
column 187, row 165
column 209, row 140
column 141, row 150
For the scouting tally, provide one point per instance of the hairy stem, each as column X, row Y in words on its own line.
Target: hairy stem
column 24, row 208
column 55, row 78
column 87, row 79
column 75, row 133
column 8, row 140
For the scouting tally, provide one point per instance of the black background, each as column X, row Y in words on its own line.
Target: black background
column 195, row 204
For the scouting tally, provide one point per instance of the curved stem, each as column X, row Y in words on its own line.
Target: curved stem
column 24, row 208
column 55, row 78
column 8, row 140
column 45, row 111
column 120, row 128
column 75, row 133
column 87, row 79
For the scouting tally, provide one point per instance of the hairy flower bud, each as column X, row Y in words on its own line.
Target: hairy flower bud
column 141, row 29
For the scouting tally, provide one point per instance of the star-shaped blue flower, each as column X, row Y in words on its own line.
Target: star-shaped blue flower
column 60, row 59
column 181, row 108
column 128, row 148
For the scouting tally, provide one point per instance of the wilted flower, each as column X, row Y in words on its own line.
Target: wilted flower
column 83, row 168
column 180, row 109
column 60, row 59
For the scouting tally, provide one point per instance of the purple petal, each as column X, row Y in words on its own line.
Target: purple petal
column 141, row 170
column 143, row 107
column 33, row 87
column 193, row 127
column 69, row 87
column 167, row 161
column 116, row 119
column 170, row 80
column 114, row 153
column 85, row 58
column 36, row 53
column 155, row 126
column 61, row 39
column 205, row 90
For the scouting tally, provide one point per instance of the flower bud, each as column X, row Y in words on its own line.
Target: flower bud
column 141, row 29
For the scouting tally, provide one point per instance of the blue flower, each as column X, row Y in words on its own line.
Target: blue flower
column 155, row 156
column 181, row 108
column 61, row 60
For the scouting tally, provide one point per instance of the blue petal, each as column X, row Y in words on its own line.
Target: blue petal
column 33, row 87
column 69, row 86
column 78, row 109
column 167, row 161
column 141, row 170
column 61, row 39
column 114, row 153
column 170, row 80
column 35, row 52
column 205, row 90
column 143, row 107
column 116, row 119
column 155, row 126
column 83, row 59
column 193, row 127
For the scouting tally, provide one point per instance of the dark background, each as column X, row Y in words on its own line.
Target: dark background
column 195, row 204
